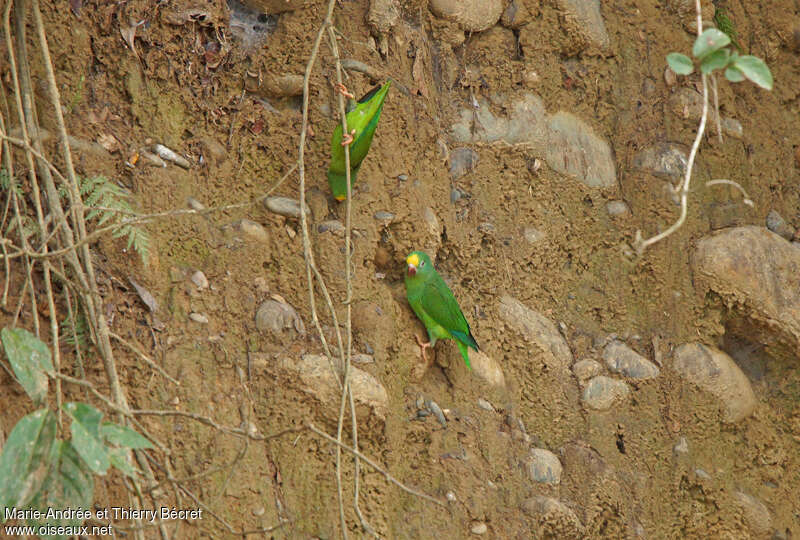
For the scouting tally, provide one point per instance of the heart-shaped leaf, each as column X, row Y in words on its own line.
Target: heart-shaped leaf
column 680, row 63
column 123, row 436
column 708, row 42
column 86, row 439
column 716, row 60
column 30, row 360
column 755, row 69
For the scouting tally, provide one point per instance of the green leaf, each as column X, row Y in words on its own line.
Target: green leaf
column 30, row 360
column 119, row 459
column 85, row 428
column 755, row 69
column 709, row 41
column 680, row 63
column 716, row 60
column 123, row 436
column 734, row 75
column 25, row 460
column 70, row 484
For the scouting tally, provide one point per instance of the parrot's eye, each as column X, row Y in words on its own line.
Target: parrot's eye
column 422, row 264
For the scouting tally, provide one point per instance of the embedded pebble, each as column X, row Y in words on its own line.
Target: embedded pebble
column 436, row 411
column 717, row 373
column 334, row 226
column 485, row 405
column 702, row 474
column 251, row 230
column 778, row 225
column 285, row 85
column 622, row 359
column 199, row 279
column 479, row 528
column 603, row 392
column 681, row 447
column 532, row 235
column 756, row 514
column 402, row 177
column 258, row 512
column 544, row 467
column 198, row 318
column 586, row 369
column 283, row 206
column 450, row 496
column 486, row 368
column 462, row 161
column 276, row 317
column 617, row 208
column 470, row 15
column 382, row 215
column 662, row 159
column 194, row 204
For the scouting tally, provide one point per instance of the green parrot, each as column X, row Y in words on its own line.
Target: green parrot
column 362, row 119
column 434, row 303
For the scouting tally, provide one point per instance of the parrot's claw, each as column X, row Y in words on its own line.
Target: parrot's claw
column 423, row 347
column 342, row 89
column 347, row 138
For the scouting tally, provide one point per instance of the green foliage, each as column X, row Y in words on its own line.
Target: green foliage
column 109, row 204
column 30, row 360
column 711, row 49
column 726, row 25
column 39, row 470
column 81, row 330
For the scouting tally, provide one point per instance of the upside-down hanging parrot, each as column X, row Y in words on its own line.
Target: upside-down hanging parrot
column 362, row 119
column 437, row 308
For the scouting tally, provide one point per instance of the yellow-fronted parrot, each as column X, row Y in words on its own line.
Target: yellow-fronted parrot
column 362, row 119
column 437, row 308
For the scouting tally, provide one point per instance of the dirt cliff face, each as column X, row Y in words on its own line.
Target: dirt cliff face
column 522, row 154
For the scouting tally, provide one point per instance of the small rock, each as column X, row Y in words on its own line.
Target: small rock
column 455, row 195
column 778, row 225
column 577, row 151
column 260, row 511
column 486, row 227
column 670, row 78
column 756, row 514
column 318, row 204
column 462, row 161
column 194, row 204
column 532, row 235
column 687, row 103
column 479, row 528
column 586, row 369
column 277, row 317
column 681, row 447
column 583, row 21
column 617, row 208
column 756, row 269
column 429, row 217
column 317, row 379
column 531, row 78
column 717, row 373
column 703, row 475
column 333, row 226
column 470, row 15
column 436, row 411
column 285, row 85
column 663, row 159
column 250, row 230
column 485, row 405
column 382, row 215
column 199, row 279
column 538, row 329
column 603, row 392
column 515, row 15
column 198, row 318
column 283, row 206
column 622, row 359
column 402, row 177
column 544, row 467
column 450, row 496
column 486, row 368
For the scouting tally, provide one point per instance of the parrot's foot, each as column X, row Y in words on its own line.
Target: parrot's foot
column 423, row 347
column 342, row 89
column 347, row 138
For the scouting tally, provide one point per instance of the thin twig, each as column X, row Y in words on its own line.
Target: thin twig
column 639, row 244
column 746, row 199
column 375, row 466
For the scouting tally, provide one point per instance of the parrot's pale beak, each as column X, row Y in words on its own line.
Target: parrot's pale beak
column 412, row 270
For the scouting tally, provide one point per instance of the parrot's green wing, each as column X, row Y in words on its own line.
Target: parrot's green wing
column 440, row 305
column 363, row 118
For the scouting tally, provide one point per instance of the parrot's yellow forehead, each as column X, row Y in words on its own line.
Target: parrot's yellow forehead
column 413, row 259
